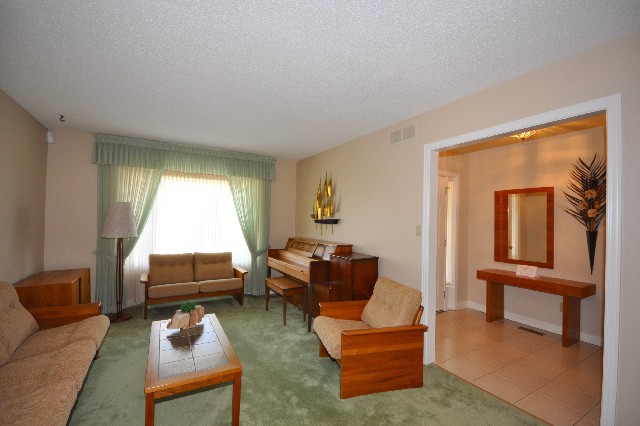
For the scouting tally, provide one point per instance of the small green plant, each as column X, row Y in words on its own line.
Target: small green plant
column 187, row 307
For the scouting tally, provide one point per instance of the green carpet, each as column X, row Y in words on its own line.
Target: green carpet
column 284, row 382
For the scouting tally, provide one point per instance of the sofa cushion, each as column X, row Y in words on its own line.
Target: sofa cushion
column 49, row 404
column 221, row 285
column 70, row 363
column 392, row 304
column 170, row 268
column 212, row 266
column 92, row 329
column 16, row 323
column 329, row 331
column 170, row 290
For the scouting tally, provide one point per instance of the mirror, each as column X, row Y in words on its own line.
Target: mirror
column 524, row 226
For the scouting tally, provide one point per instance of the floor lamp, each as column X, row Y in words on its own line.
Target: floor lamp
column 119, row 223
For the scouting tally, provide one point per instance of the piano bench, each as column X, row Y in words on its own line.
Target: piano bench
column 286, row 287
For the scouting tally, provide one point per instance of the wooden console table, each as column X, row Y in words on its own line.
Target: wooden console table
column 572, row 293
column 55, row 288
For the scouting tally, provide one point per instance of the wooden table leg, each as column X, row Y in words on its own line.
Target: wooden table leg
column 570, row 320
column 495, row 301
column 235, row 407
column 284, row 307
column 149, row 408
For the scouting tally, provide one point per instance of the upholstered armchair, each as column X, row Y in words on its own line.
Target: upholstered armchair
column 378, row 343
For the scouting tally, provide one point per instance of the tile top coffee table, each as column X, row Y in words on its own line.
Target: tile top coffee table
column 183, row 360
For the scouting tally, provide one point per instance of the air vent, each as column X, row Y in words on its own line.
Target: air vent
column 403, row 135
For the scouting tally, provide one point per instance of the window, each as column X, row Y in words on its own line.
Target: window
column 191, row 213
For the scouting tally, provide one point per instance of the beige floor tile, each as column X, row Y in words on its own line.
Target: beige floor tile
column 501, row 387
column 530, row 342
column 453, row 346
column 525, row 378
column 442, row 355
column 592, row 418
column 505, row 351
column 463, row 369
column 569, row 397
column 592, row 363
column 548, row 370
column 589, row 383
column 473, row 339
column 569, row 356
column 500, row 330
column 487, row 360
column 549, row 410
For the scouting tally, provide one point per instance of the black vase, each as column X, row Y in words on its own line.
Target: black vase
column 592, row 237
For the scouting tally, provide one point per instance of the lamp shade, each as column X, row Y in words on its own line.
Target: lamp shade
column 119, row 221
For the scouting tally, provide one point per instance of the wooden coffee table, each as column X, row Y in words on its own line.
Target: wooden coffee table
column 180, row 361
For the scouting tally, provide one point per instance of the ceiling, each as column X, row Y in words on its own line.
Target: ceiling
column 556, row 129
column 283, row 78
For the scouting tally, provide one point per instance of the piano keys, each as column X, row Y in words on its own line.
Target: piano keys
column 331, row 270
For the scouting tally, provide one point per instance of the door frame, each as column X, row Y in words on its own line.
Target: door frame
column 611, row 105
column 451, row 298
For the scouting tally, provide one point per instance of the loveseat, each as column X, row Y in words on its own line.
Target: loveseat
column 188, row 276
column 42, row 369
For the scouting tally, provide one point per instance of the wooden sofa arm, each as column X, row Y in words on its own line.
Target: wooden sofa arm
column 348, row 309
column 55, row 316
column 239, row 272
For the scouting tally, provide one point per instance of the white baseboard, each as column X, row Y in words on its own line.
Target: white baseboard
column 531, row 322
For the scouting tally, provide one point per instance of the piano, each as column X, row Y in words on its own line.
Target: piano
column 332, row 271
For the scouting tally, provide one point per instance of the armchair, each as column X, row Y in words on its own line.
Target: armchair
column 377, row 343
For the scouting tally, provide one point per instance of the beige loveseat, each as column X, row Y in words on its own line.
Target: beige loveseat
column 189, row 276
column 42, row 370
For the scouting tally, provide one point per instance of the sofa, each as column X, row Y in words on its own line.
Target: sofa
column 189, row 276
column 45, row 354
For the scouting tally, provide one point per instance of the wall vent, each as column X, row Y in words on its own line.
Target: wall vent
column 403, row 135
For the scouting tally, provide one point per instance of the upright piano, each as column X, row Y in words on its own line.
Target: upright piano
column 332, row 271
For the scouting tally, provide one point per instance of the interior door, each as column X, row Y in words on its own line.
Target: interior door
column 441, row 268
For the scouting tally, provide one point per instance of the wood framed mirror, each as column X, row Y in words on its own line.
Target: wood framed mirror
column 524, row 226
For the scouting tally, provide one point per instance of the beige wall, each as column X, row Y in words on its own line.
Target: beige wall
column 71, row 228
column 381, row 186
column 72, row 182
column 23, row 168
column 543, row 162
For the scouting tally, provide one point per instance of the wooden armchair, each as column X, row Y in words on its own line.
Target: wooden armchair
column 378, row 344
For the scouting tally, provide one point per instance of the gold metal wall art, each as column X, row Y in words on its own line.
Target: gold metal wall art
column 323, row 211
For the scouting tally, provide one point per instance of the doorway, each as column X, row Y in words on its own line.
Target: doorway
column 612, row 107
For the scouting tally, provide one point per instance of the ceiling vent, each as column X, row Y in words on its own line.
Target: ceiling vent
column 403, row 135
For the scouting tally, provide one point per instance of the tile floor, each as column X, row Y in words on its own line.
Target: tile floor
column 559, row 385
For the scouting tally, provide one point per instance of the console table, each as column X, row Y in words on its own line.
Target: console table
column 572, row 293
column 55, row 288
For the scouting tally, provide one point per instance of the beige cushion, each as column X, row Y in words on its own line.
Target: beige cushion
column 170, row 268
column 70, row 363
column 212, row 266
column 91, row 329
column 16, row 323
column 392, row 304
column 329, row 331
column 221, row 285
column 170, row 290
column 49, row 404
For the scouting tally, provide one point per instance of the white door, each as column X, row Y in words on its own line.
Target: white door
column 441, row 270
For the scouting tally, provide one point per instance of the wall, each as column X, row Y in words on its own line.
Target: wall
column 382, row 190
column 543, row 162
column 23, row 167
column 71, row 216
column 72, row 183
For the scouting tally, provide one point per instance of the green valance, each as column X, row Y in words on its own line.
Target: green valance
column 124, row 151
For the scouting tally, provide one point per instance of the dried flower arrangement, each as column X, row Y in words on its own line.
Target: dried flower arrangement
column 588, row 193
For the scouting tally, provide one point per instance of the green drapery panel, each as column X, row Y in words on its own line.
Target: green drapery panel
column 137, row 185
column 252, row 199
column 130, row 169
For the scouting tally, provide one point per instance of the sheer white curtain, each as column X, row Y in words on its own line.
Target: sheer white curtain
column 191, row 213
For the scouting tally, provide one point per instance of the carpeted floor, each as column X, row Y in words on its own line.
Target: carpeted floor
column 284, row 381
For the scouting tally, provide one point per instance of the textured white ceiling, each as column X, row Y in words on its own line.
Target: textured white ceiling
column 285, row 78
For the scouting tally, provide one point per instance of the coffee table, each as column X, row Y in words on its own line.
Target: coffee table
column 183, row 360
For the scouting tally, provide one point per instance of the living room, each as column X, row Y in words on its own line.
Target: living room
column 49, row 220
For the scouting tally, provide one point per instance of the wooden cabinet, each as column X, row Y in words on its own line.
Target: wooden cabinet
column 55, row 288
column 357, row 274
